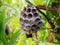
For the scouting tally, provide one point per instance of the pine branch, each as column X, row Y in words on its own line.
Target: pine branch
column 48, row 19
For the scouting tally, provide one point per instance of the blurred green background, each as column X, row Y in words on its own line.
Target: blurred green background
column 12, row 9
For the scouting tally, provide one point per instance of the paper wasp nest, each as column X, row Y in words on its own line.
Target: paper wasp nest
column 30, row 19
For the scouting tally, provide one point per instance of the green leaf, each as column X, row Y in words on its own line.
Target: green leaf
column 8, row 19
column 9, row 1
column 58, row 22
column 2, row 25
column 37, row 2
column 14, row 37
column 57, row 36
column 0, row 3
column 1, row 43
column 52, row 14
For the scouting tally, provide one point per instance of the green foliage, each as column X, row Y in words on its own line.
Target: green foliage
column 16, row 37
column 2, row 25
column 1, row 43
column 0, row 3
column 42, row 35
column 8, row 1
column 58, row 22
column 35, row 2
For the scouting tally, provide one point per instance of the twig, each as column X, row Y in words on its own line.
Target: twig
column 49, row 21
column 50, row 8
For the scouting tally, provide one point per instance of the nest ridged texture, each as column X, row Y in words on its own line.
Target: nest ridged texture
column 30, row 19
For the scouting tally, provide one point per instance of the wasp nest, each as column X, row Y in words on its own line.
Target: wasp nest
column 30, row 19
